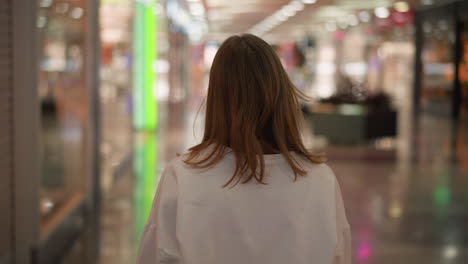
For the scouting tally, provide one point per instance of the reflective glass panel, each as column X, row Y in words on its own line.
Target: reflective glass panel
column 63, row 102
column 438, row 66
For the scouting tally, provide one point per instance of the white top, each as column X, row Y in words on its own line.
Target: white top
column 195, row 221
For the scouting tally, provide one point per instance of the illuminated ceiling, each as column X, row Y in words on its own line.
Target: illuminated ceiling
column 228, row 17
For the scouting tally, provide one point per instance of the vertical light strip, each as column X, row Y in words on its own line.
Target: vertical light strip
column 145, row 54
column 150, row 56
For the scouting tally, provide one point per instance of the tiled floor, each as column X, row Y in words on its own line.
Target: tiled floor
column 403, row 208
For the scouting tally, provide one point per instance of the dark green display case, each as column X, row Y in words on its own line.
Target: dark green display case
column 351, row 123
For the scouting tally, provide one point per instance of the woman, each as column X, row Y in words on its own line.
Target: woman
column 250, row 192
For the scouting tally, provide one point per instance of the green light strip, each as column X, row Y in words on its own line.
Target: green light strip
column 150, row 55
column 145, row 54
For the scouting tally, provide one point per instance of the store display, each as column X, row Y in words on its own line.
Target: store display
column 365, row 116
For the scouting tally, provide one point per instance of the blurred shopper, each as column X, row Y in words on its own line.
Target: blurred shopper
column 250, row 192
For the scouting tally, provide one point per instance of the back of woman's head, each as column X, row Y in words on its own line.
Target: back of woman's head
column 252, row 109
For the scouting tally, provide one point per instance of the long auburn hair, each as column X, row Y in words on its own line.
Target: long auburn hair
column 252, row 109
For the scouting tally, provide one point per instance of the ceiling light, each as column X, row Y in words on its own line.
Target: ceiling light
column 364, row 16
column 197, row 9
column 280, row 16
column 276, row 22
column 381, row 12
column 77, row 12
column 288, row 11
column 41, row 21
column 270, row 21
column 46, row 3
column 352, row 20
column 401, row 7
column 297, row 5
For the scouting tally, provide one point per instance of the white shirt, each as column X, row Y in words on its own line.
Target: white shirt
column 194, row 220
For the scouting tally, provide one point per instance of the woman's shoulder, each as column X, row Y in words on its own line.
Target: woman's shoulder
column 318, row 170
column 176, row 162
column 179, row 165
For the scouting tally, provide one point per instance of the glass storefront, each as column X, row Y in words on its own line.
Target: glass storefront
column 440, row 76
column 116, row 93
column 440, row 82
column 463, row 69
column 67, row 98
column 64, row 105
column 438, row 66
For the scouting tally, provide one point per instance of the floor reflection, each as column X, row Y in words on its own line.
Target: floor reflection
column 146, row 179
column 404, row 211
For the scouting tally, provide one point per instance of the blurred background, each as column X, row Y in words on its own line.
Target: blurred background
column 97, row 96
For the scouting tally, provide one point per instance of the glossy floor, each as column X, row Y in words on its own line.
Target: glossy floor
column 406, row 200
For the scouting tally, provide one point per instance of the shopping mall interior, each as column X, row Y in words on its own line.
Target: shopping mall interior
column 98, row 96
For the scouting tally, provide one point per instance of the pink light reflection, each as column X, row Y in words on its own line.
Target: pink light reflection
column 364, row 251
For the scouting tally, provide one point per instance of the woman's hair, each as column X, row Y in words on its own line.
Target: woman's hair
column 252, row 109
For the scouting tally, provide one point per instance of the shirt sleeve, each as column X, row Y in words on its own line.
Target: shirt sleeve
column 343, row 247
column 158, row 243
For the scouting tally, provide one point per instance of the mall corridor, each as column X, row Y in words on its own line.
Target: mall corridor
column 402, row 208
column 97, row 97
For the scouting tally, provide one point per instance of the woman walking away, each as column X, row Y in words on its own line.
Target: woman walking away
column 250, row 192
